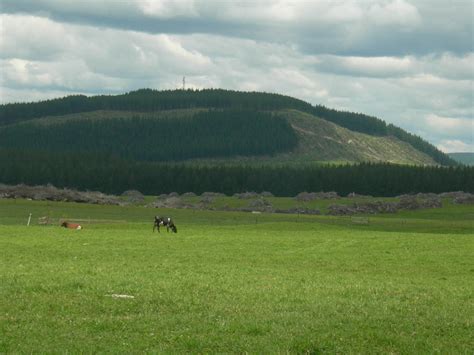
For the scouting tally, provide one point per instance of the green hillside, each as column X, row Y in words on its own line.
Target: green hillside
column 322, row 141
column 152, row 101
column 283, row 136
column 463, row 158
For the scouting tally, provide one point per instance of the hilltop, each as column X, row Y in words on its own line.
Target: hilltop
column 209, row 126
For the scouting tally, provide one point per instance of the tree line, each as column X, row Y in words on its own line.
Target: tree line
column 110, row 174
column 149, row 100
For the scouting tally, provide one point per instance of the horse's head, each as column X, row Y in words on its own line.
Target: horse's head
column 173, row 228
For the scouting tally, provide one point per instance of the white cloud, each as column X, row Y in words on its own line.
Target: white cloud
column 453, row 67
column 168, row 8
column 65, row 76
column 455, row 146
column 340, row 12
column 430, row 69
column 368, row 66
column 30, row 37
column 253, row 12
column 455, row 127
column 395, row 13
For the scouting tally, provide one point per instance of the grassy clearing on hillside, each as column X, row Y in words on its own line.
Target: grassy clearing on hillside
column 235, row 282
column 321, row 141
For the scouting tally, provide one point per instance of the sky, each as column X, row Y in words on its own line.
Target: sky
column 408, row 62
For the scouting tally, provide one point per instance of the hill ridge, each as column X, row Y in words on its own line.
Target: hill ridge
column 318, row 140
column 153, row 100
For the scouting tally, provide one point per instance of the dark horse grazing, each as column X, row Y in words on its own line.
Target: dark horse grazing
column 164, row 221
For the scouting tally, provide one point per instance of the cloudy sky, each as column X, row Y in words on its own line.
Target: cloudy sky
column 409, row 62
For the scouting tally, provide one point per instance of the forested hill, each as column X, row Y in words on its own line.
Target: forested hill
column 189, row 134
column 148, row 100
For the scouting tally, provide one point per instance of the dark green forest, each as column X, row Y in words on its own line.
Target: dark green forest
column 147, row 100
column 214, row 133
column 106, row 173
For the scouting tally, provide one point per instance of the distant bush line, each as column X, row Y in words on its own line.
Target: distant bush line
column 153, row 100
column 113, row 175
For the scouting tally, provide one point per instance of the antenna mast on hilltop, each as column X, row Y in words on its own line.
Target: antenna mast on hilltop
column 184, row 83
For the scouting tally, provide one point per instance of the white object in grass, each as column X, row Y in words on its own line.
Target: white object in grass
column 115, row 295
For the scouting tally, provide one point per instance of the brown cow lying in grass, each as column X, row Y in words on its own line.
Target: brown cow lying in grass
column 71, row 225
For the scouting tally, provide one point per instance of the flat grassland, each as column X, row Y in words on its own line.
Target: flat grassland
column 235, row 282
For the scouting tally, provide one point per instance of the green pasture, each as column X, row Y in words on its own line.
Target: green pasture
column 235, row 282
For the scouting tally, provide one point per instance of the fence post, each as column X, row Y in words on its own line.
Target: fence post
column 29, row 220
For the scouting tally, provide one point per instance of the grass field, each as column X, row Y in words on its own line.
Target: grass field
column 236, row 282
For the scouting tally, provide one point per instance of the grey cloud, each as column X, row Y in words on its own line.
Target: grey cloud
column 365, row 28
column 71, row 76
column 124, row 15
column 32, row 38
